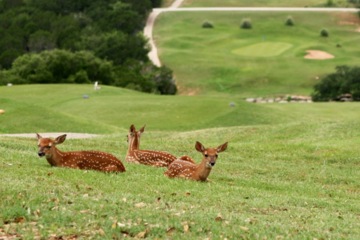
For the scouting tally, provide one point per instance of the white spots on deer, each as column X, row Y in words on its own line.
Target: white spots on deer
column 89, row 160
column 146, row 157
column 184, row 168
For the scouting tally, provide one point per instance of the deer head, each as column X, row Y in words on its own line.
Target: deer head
column 210, row 154
column 47, row 145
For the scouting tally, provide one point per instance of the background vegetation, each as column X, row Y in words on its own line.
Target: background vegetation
column 109, row 31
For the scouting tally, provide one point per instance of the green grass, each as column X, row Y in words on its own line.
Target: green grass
column 291, row 170
column 262, row 3
column 265, row 60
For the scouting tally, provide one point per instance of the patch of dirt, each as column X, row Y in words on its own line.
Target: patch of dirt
column 318, row 55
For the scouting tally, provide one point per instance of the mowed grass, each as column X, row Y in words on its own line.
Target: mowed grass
column 290, row 172
column 262, row 3
column 265, row 60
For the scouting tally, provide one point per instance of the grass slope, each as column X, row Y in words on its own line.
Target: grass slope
column 290, row 181
column 266, row 60
column 290, row 170
column 61, row 108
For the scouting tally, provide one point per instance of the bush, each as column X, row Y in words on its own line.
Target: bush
column 207, row 24
column 289, row 21
column 324, row 33
column 330, row 3
column 246, row 24
column 345, row 81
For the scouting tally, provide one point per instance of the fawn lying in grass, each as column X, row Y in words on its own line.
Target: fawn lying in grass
column 147, row 157
column 184, row 168
column 89, row 160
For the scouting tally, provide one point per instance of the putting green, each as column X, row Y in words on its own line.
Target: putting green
column 264, row 49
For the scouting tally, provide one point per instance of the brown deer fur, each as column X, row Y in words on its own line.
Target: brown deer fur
column 89, row 160
column 146, row 157
column 198, row 172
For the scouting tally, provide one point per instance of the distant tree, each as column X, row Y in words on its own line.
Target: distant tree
column 78, row 41
column 246, row 24
column 207, row 24
column 116, row 46
column 346, row 80
column 324, row 33
column 330, row 3
column 156, row 3
column 289, row 21
column 41, row 40
column 61, row 66
column 164, row 81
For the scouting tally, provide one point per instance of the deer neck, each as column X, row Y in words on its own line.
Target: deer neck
column 202, row 171
column 134, row 143
column 55, row 157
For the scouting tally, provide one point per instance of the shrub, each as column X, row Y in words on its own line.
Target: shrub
column 324, row 33
column 207, row 24
column 246, row 24
column 289, row 21
column 330, row 3
column 346, row 80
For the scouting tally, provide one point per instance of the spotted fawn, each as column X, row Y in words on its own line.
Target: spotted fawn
column 146, row 157
column 88, row 160
column 183, row 168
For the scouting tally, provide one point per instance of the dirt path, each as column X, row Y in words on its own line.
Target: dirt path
column 148, row 30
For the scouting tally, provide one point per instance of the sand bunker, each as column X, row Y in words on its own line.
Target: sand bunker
column 318, row 55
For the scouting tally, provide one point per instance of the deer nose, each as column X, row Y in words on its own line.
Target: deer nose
column 41, row 154
column 212, row 163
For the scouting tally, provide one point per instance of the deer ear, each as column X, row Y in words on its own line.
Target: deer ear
column 222, row 147
column 142, row 129
column 132, row 128
column 199, row 147
column 60, row 139
column 38, row 136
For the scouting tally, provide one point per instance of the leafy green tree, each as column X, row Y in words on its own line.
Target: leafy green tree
column 346, row 80
column 41, row 40
column 79, row 41
column 61, row 66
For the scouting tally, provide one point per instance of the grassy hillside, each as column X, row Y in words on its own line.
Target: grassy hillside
column 262, row 3
column 62, row 108
column 293, row 181
column 266, row 60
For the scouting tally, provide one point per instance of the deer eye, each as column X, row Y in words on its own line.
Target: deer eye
column 47, row 147
column 216, row 155
column 206, row 155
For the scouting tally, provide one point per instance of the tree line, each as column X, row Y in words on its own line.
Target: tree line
column 79, row 41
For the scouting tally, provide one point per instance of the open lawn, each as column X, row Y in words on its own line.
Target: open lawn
column 290, row 172
column 263, row 3
column 265, row 60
